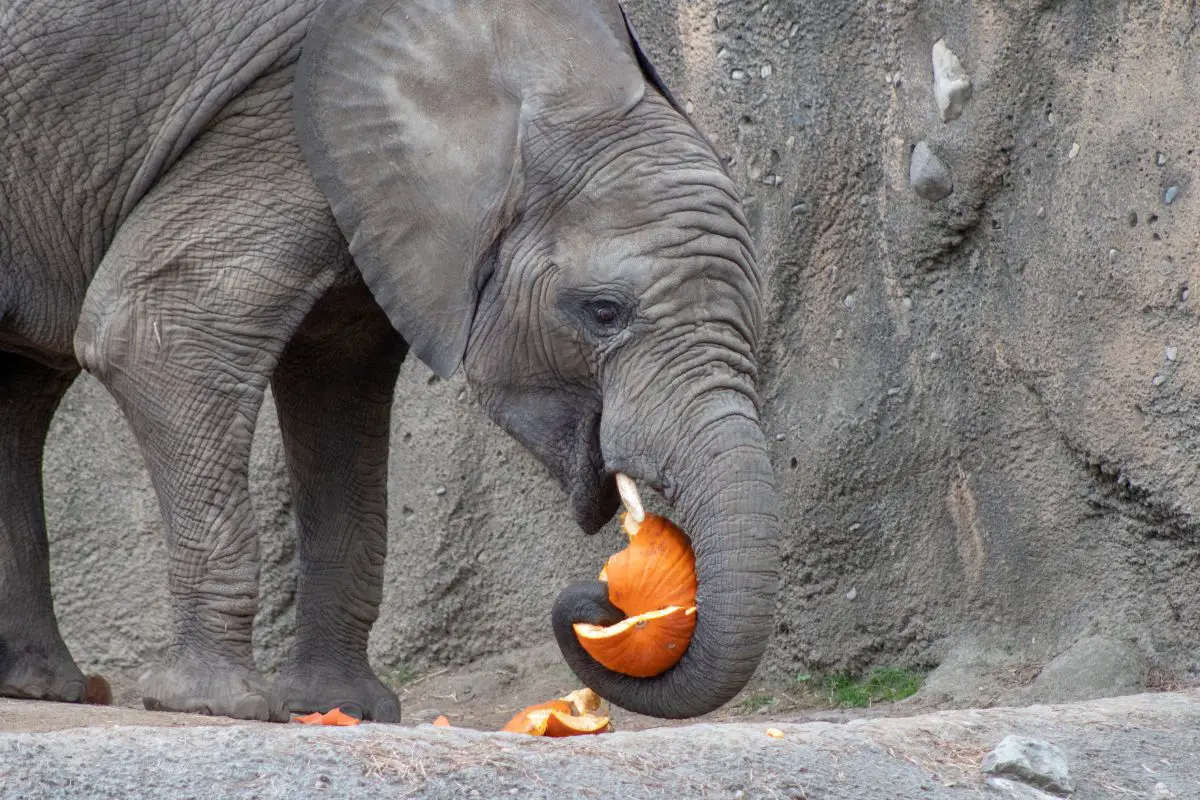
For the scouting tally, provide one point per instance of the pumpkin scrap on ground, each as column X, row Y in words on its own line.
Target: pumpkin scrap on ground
column 97, row 691
column 653, row 581
column 567, row 716
column 441, row 722
column 335, row 716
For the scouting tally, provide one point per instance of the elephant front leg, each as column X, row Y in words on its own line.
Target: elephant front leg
column 333, row 390
column 34, row 660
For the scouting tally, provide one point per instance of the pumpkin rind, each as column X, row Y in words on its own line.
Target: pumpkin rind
column 566, row 716
column 656, row 570
column 641, row 646
column 527, row 721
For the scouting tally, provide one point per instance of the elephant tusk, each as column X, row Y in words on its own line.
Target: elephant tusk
column 629, row 496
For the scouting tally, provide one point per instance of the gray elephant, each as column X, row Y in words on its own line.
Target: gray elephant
column 200, row 198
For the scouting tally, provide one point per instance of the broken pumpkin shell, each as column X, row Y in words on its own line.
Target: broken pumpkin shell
column 642, row 646
column 566, row 716
column 656, row 570
column 653, row 581
column 334, row 716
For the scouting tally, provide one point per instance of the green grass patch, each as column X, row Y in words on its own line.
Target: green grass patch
column 756, row 702
column 880, row 685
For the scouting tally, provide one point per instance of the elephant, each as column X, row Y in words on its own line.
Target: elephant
column 202, row 199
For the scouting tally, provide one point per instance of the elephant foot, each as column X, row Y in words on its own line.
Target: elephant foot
column 41, row 670
column 362, row 696
column 220, row 689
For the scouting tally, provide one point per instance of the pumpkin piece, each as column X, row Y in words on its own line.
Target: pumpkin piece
column 555, row 723
column 566, row 716
column 641, row 646
column 583, row 701
column 334, row 716
column 522, row 723
column 97, row 691
column 558, row 724
column 656, row 570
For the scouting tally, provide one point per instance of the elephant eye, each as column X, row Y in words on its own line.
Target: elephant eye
column 606, row 314
column 599, row 312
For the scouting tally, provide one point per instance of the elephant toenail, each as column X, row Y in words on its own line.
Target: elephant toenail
column 73, row 692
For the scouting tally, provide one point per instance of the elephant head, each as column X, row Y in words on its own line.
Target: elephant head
column 525, row 199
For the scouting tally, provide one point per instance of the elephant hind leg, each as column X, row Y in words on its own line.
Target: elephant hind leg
column 333, row 391
column 34, row 660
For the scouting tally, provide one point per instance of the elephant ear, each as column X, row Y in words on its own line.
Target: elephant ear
column 411, row 115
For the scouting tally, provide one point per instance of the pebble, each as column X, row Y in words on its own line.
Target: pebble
column 765, row 72
column 929, row 176
column 689, row 106
column 951, row 84
column 1160, row 159
column 779, row 437
column 1032, row 761
column 1074, row 150
column 1041, row 212
column 1159, row 380
column 738, row 74
column 1170, row 194
column 853, row 593
column 439, row 491
column 1170, row 353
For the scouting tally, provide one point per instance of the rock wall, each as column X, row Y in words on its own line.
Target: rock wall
column 983, row 408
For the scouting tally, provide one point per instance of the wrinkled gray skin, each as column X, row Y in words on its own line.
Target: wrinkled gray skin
column 514, row 192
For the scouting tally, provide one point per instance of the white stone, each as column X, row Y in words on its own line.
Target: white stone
column 928, row 175
column 1032, row 761
column 951, row 83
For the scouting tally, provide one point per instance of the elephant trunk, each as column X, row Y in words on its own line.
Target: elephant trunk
column 719, row 480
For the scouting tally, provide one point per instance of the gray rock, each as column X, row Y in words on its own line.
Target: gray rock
column 1031, row 761
column 1170, row 194
column 929, row 176
column 1015, row 790
column 951, row 83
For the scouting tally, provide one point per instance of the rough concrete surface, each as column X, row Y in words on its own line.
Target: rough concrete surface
column 984, row 412
column 1140, row 746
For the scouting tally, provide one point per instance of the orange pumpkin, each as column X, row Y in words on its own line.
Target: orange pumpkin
column 653, row 581
column 566, row 716
column 334, row 716
column 656, row 570
column 642, row 646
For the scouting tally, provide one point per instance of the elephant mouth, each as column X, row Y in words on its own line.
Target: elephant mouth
column 595, row 504
column 593, row 492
